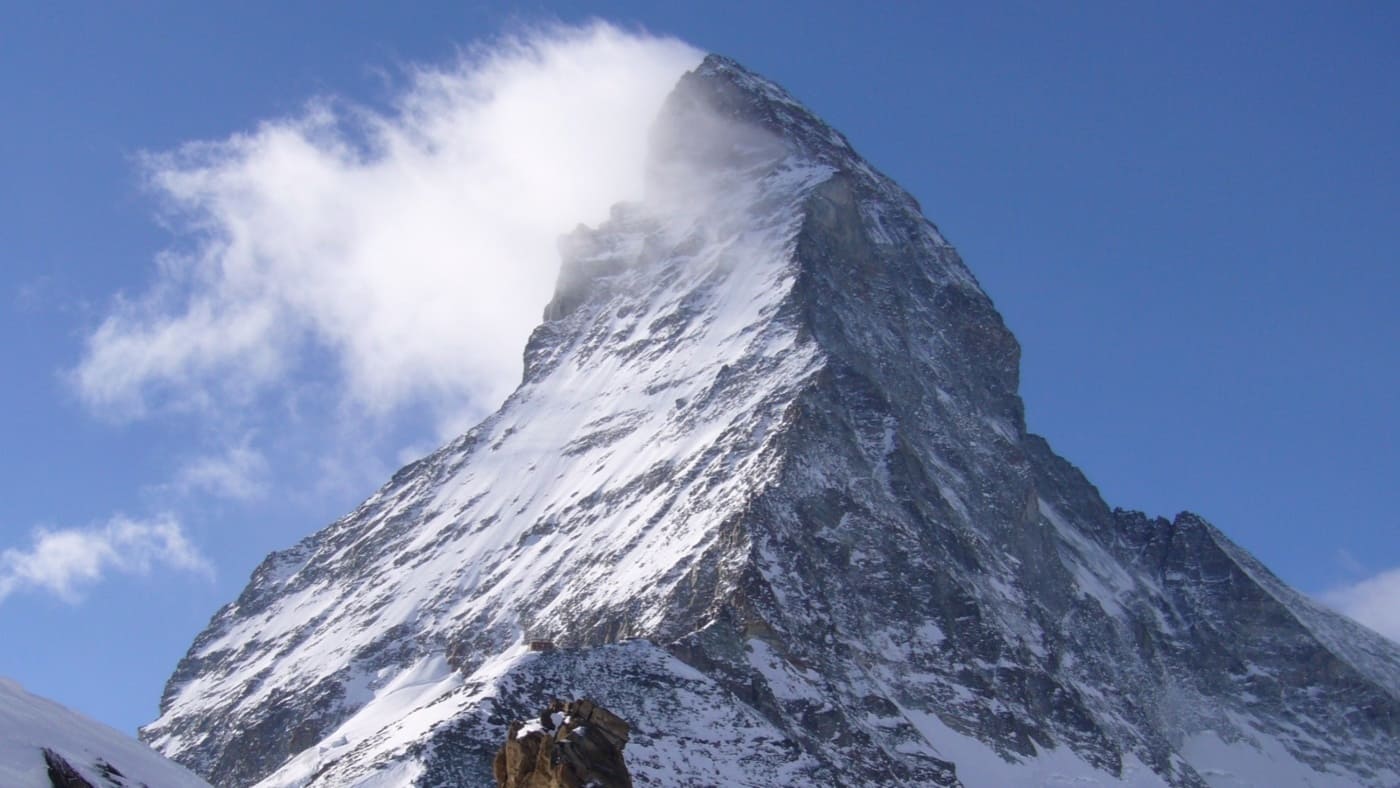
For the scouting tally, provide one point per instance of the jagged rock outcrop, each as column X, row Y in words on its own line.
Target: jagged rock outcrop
column 768, row 486
column 61, row 773
column 571, row 745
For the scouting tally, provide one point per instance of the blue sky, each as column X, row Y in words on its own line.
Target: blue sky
column 1185, row 213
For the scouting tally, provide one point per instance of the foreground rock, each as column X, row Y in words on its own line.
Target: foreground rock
column 44, row 745
column 570, row 745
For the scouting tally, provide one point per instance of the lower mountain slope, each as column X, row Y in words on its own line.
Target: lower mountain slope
column 767, row 485
column 43, row 744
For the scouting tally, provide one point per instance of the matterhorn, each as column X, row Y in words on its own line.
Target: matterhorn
column 766, row 491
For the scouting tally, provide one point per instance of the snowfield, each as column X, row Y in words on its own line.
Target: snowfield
column 30, row 724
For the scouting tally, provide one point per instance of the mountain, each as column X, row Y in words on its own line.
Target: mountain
column 44, row 745
column 767, row 486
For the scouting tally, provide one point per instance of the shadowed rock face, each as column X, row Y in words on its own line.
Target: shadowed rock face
column 571, row 744
column 767, row 485
column 61, row 772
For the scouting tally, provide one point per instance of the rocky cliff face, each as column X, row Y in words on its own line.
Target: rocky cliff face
column 767, row 482
column 570, row 745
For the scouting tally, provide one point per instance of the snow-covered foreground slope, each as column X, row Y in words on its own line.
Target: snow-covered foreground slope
column 767, row 482
column 29, row 725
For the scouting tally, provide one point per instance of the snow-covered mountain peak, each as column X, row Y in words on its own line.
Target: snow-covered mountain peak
column 720, row 90
column 768, row 460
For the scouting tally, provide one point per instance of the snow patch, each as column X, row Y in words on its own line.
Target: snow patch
column 29, row 723
column 980, row 765
column 1261, row 763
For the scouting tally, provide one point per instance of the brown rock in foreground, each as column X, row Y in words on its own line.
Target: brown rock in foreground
column 571, row 745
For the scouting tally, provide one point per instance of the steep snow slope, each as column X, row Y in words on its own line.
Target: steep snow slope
column 29, row 725
column 610, row 470
column 767, row 480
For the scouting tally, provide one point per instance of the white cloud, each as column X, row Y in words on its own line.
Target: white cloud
column 1374, row 602
column 63, row 562
column 240, row 473
column 1349, row 562
column 412, row 249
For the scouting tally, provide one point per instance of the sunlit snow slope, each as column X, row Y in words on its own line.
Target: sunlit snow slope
column 767, row 483
column 89, row 750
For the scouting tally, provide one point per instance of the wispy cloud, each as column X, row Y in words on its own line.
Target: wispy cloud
column 405, row 254
column 65, row 562
column 239, row 473
column 1349, row 562
column 1374, row 602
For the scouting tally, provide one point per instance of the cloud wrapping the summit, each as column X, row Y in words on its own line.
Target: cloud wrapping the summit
column 404, row 255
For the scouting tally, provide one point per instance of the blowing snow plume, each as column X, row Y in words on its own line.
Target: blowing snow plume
column 413, row 249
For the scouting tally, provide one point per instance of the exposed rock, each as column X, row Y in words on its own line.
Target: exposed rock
column 571, row 745
column 61, row 772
